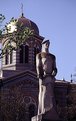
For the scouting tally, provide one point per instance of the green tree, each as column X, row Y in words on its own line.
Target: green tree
column 2, row 17
column 16, row 38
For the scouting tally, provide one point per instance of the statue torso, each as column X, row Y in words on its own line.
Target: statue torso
column 47, row 61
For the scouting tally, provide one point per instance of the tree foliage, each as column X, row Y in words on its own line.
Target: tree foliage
column 2, row 17
column 16, row 38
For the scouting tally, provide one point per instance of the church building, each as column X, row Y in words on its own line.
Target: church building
column 19, row 82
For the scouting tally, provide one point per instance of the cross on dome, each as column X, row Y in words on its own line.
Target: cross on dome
column 22, row 14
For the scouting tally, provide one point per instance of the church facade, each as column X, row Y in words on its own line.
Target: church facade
column 19, row 82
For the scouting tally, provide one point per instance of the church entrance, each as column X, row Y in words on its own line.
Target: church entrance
column 32, row 111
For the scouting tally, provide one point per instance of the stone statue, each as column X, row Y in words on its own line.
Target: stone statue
column 46, row 72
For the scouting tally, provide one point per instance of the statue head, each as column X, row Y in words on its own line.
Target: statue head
column 45, row 45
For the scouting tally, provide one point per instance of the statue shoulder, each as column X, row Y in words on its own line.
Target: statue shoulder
column 41, row 54
column 53, row 56
column 38, row 55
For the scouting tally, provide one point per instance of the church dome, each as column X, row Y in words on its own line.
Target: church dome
column 25, row 22
column 28, row 23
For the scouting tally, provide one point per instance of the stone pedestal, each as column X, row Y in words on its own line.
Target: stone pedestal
column 37, row 118
column 50, row 115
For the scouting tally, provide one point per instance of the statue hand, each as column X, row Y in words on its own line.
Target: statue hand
column 53, row 73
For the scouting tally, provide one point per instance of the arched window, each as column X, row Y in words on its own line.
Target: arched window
column 6, row 57
column 24, row 54
column 11, row 57
column 21, row 54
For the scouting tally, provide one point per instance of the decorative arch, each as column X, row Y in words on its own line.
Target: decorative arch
column 29, row 107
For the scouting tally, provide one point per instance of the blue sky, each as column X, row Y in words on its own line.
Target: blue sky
column 56, row 20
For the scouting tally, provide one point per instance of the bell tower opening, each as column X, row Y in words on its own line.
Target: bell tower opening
column 11, row 57
column 6, row 57
column 24, row 54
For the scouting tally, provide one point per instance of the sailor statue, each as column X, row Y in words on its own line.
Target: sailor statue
column 46, row 72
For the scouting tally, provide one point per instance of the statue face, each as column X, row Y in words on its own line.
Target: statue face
column 46, row 45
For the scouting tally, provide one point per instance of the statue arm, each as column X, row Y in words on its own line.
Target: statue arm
column 54, row 68
column 39, row 67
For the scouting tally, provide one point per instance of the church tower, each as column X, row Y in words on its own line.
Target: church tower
column 24, row 58
column 19, row 78
column 19, row 85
